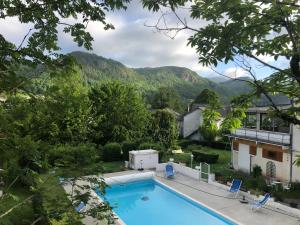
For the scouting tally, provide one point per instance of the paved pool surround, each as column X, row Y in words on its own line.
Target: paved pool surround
column 231, row 208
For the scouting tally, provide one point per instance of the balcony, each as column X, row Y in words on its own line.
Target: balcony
column 263, row 136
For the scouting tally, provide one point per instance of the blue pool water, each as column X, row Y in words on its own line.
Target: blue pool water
column 151, row 203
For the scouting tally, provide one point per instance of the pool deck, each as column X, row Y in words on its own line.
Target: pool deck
column 220, row 200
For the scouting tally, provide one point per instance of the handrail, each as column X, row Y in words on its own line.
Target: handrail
column 282, row 138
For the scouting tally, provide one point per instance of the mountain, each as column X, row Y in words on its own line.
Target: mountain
column 186, row 82
column 218, row 79
column 237, row 86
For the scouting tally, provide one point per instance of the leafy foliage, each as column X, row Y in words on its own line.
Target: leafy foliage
column 112, row 152
column 164, row 127
column 209, row 128
column 240, row 31
column 119, row 112
column 166, row 98
column 206, row 96
column 40, row 44
column 182, row 81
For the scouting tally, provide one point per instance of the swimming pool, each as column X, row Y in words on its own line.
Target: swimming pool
column 149, row 202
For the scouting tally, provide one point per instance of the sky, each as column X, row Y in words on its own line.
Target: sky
column 135, row 44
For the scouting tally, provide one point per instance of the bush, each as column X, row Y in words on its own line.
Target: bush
column 216, row 144
column 184, row 143
column 112, row 152
column 149, row 145
column 65, row 155
column 201, row 156
column 128, row 146
column 256, row 171
column 182, row 158
column 193, row 147
column 175, row 147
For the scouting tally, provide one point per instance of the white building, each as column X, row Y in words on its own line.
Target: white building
column 190, row 122
column 269, row 143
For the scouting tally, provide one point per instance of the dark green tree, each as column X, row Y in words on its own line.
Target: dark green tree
column 207, row 96
column 211, row 116
column 164, row 127
column 166, row 97
column 119, row 113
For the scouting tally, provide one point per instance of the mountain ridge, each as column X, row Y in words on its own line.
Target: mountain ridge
column 185, row 81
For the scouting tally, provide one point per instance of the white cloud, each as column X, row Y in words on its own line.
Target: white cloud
column 235, row 72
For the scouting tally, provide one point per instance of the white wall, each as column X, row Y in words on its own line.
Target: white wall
column 191, row 122
column 282, row 168
column 187, row 171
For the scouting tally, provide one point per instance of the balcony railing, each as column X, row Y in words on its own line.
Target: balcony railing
column 260, row 135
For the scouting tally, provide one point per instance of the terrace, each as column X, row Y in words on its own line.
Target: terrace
column 219, row 199
column 263, row 136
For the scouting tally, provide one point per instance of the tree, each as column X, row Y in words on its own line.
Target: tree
column 207, row 96
column 166, row 98
column 243, row 31
column 209, row 128
column 164, row 127
column 40, row 43
column 119, row 113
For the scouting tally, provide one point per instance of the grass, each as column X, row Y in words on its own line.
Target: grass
column 92, row 169
column 220, row 166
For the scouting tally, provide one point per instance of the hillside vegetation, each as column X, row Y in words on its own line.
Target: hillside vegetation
column 186, row 82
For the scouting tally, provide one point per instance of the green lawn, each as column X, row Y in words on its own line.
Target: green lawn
column 220, row 166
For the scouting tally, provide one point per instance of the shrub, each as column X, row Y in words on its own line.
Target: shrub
column 64, row 155
column 182, row 158
column 175, row 147
column 149, row 145
column 184, row 143
column 128, row 146
column 216, row 144
column 201, row 156
column 112, row 152
column 160, row 156
column 256, row 171
column 193, row 147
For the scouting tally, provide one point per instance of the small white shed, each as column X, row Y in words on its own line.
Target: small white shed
column 143, row 159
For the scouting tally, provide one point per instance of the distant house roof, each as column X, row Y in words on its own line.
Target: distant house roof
column 223, row 111
column 279, row 100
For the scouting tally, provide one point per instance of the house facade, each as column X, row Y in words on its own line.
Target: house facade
column 189, row 123
column 267, row 142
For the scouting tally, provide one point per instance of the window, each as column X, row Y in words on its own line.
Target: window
column 250, row 120
column 235, row 145
column 271, row 154
column 275, row 124
column 252, row 150
column 271, row 169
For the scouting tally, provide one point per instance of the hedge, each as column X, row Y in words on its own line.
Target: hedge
column 128, row 146
column 112, row 152
column 201, row 156
column 150, row 145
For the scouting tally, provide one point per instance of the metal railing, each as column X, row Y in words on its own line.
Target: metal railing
column 268, row 136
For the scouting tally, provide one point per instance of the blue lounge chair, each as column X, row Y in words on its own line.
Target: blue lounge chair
column 260, row 203
column 62, row 180
column 80, row 207
column 235, row 186
column 169, row 171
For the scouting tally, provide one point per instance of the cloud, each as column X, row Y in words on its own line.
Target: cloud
column 235, row 72
column 133, row 43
